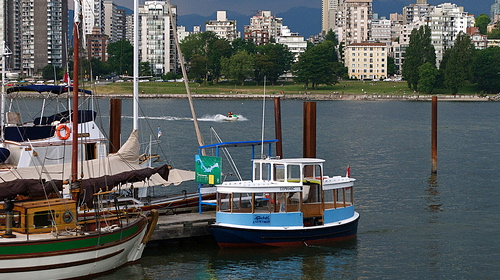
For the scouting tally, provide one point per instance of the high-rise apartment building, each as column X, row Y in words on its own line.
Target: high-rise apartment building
column 263, row 26
column 37, row 37
column 356, row 18
column 417, row 11
column 495, row 9
column 156, row 42
column 446, row 22
column 330, row 13
column 93, row 15
column 222, row 27
column 114, row 22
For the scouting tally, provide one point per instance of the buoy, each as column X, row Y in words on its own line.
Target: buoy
column 66, row 129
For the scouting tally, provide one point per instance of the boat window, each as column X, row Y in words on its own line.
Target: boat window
column 348, row 196
column 279, row 172
column 293, row 172
column 43, row 219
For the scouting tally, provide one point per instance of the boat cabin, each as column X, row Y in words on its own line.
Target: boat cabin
column 41, row 216
column 286, row 192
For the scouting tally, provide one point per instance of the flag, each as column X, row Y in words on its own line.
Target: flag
column 348, row 171
column 159, row 132
column 66, row 79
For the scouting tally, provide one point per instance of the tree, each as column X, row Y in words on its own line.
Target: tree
column 317, row 65
column 51, row 72
column 145, row 69
column 272, row 61
column 482, row 22
column 239, row 66
column 486, row 69
column 391, row 66
column 458, row 68
column 419, row 51
column 198, row 66
column 495, row 33
column 428, row 74
column 121, row 57
column 242, row 44
column 331, row 36
column 208, row 45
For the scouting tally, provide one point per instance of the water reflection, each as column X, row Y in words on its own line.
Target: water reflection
column 433, row 198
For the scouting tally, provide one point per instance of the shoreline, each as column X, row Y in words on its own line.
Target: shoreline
column 310, row 97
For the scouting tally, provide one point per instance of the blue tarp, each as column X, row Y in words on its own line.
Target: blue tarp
column 46, row 88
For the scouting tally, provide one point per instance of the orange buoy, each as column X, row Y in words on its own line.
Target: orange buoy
column 66, row 129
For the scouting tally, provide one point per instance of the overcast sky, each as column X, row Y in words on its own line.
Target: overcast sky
column 249, row 7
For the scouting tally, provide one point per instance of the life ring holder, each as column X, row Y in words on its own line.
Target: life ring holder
column 67, row 217
column 66, row 129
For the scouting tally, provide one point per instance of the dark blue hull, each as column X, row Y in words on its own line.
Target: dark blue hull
column 247, row 237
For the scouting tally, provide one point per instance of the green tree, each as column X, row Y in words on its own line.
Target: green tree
column 242, row 44
column 51, row 72
column 331, row 36
column 419, row 51
column 317, row 65
column 458, row 68
column 239, row 66
column 145, row 69
column 391, row 66
column 121, row 57
column 198, row 67
column 495, row 33
column 272, row 61
column 428, row 74
column 208, row 45
column 486, row 69
column 482, row 22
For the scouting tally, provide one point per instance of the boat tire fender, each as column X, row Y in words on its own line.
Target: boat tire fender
column 66, row 129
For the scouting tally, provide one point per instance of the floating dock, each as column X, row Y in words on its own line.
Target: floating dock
column 184, row 225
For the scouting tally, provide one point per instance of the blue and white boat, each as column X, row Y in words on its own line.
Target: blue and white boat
column 288, row 202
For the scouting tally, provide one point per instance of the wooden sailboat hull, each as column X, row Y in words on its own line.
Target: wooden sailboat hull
column 228, row 236
column 73, row 256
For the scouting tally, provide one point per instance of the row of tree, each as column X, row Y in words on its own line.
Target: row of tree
column 461, row 64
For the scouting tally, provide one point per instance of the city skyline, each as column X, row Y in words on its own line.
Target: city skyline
column 382, row 7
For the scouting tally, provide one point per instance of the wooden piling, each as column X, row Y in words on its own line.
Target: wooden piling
column 309, row 145
column 277, row 127
column 434, row 135
column 115, row 118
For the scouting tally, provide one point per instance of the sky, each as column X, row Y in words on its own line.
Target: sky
column 250, row 7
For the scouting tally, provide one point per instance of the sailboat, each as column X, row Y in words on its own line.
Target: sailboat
column 42, row 233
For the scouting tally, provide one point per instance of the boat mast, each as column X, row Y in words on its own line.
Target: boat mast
column 74, row 142
column 135, row 78
column 184, row 76
column 5, row 52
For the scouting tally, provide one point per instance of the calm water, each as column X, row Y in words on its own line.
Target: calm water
column 413, row 225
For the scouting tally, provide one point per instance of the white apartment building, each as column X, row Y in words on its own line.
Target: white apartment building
column 330, row 10
column 156, row 44
column 93, row 15
column 356, row 19
column 446, row 22
column 263, row 26
column 295, row 43
column 381, row 31
column 418, row 11
column 222, row 27
column 182, row 33
column 366, row 61
column 114, row 22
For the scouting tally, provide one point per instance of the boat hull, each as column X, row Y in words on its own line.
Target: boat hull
column 73, row 257
column 228, row 236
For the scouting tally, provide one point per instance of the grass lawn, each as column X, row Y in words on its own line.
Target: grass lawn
column 344, row 87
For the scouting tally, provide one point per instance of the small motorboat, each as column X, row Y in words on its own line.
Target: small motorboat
column 231, row 117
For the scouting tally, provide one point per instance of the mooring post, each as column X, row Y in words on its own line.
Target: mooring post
column 277, row 127
column 434, row 134
column 115, row 118
column 309, row 145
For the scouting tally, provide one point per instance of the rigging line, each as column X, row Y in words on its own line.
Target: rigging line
column 228, row 155
column 263, row 118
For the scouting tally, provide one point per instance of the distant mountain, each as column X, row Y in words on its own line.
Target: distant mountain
column 302, row 20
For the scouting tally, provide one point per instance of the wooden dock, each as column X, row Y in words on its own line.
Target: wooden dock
column 185, row 225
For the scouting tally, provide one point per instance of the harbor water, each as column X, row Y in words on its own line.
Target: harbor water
column 414, row 225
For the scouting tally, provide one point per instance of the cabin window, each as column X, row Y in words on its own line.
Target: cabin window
column 90, row 151
column 43, row 219
column 279, row 172
column 293, row 172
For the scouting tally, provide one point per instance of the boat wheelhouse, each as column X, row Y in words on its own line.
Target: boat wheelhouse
column 288, row 202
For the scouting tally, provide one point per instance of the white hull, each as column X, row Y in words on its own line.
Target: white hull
column 82, row 264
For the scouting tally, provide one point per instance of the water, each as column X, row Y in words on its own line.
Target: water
column 413, row 225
